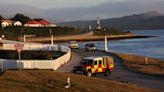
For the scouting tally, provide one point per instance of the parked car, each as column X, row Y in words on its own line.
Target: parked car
column 90, row 46
column 73, row 44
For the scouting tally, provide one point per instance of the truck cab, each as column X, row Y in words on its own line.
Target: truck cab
column 92, row 65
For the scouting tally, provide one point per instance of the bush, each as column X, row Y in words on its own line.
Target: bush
column 109, row 31
column 13, row 33
column 29, row 55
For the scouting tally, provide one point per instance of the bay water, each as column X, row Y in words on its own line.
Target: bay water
column 151, row 47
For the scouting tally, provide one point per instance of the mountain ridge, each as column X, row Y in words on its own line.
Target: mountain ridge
column 147, row 20
column 105, row 10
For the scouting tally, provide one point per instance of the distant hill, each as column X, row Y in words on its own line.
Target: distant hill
column 148, row 20
column 109, row 9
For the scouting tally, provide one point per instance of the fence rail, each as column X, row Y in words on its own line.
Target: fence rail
column 36, row 64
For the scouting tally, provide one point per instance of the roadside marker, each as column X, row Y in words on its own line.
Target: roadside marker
column 19, row 48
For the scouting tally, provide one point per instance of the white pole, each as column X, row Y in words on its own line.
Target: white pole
column 52, row 40
column 106, row 44
column 24, row 38
column 146, row 60
column 19, row 61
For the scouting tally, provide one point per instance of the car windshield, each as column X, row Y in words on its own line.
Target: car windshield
column 90, row 45
column 86, row 62
column 73, row 42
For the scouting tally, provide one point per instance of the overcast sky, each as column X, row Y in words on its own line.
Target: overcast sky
column 58, row 3
column 85, row 9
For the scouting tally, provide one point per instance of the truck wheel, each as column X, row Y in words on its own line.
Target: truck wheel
column 74, row 71
column 107, row 72
column 89, row 74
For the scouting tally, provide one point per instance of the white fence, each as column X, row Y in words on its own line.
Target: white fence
column 37, row 64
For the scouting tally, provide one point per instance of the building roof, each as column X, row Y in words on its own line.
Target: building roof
column 44, row 22
column 33, row 22
column 8, row 21
column 41, row 22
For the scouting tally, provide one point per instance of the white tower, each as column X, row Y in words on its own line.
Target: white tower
column 98, row 26
column 90, row 28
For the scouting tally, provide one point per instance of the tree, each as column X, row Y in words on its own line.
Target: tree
column 1, row 17
column 38, row 19
column 20, row 17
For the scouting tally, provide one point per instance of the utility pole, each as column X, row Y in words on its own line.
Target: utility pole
column 24, row 38
column 106, row 44
column 52, row 38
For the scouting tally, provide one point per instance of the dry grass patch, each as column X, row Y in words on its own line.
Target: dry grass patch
column 36, row 81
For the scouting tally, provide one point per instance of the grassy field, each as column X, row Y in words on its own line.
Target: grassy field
column 15, row 33
column 139, row 64
column 36, row 81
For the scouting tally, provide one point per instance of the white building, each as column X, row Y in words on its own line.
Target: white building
column 41, row 23
column 33, row 24
column 17, row 23
column 5, row 23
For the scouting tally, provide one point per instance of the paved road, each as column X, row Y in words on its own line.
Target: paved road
column 119, row 74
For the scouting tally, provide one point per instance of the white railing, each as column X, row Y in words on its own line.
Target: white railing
column 37, row 64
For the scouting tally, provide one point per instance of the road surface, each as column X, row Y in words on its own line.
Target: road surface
column 120, row 73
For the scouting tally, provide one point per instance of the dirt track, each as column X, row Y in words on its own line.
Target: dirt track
column 119, row 74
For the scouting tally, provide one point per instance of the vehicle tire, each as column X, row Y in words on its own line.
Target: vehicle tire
column 107, row 72
column 74, row 71
column 89, row 74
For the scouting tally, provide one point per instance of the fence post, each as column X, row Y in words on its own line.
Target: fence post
column 146, row 60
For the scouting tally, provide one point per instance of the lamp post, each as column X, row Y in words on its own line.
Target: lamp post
column 24, row 38
column 106, row 41
column 106, row 44
column 52, row 38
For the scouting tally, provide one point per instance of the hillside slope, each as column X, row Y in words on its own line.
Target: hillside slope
column 36, row 81
column 148, row 20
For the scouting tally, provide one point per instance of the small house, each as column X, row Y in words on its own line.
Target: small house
column 5, row 23
column 17, row 23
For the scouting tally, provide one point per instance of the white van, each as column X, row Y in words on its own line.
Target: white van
column 73, row 45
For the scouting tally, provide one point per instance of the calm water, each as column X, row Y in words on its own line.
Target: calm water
column 152, row 47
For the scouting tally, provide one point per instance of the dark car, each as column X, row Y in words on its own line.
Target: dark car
column 90, row 46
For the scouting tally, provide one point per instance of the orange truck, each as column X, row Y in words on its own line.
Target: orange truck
column 93, row 65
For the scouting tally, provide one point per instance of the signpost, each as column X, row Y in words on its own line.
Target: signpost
column 19, row 48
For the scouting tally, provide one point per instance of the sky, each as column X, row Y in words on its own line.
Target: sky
column 61, row 10
column 45, row 4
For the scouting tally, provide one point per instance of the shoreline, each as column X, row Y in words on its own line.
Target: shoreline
column 84, row 38
column 142, row 64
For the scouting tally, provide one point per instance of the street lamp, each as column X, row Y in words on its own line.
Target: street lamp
column 52, row 38
column 106, row 44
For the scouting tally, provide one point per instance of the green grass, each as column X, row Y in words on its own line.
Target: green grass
column 14, row 33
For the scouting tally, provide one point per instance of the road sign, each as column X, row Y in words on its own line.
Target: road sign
column 19, row 47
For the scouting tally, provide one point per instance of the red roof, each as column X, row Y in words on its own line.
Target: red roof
column 44, row 22
column 33, row 22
